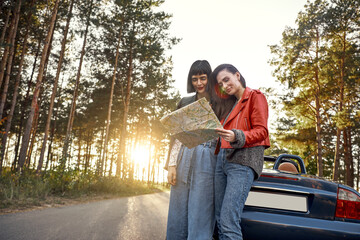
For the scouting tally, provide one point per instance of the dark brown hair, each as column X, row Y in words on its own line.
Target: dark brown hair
column 222, row 105
column 197, row 68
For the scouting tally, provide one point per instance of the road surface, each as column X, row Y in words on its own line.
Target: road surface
column 139, row 217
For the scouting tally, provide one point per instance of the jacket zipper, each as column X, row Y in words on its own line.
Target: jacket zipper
column 237, row 120
column 246, row 123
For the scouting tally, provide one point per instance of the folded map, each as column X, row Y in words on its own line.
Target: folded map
column 193, row 124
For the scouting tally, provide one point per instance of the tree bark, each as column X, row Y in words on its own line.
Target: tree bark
column 79, row 150
column 121, row 159
column 16, row 92
column 52, row 133
column 337, row 155
column 348, row 157
column 25, row 102
column 340, row 109
column 112, row 160
column 104, row 157
column 37, row 112
column 6, row 24
column 320, row 167
column 75, row 95
column 358, row 173
column 13, row 28
column 88, row 151
column 53, row 95
column 86, row 156
column 10, row 59
column 98, row 162
column 32, row 135
column 34, row 103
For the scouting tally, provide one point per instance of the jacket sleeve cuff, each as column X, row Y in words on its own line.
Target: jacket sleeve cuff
column 239, row 139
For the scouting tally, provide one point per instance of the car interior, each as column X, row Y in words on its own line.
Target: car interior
column 288, row 167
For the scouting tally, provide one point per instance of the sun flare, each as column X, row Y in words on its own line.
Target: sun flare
column 140, row 156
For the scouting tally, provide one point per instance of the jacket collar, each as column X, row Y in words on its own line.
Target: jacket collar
column 245, row 95
column 240, row 104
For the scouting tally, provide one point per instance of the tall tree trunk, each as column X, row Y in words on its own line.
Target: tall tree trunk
column 358, row 173
column 340, row 109
column 104, row 157
column 88, row 151
column 112, row 162
column 7, row 150
column 25, row 102
column 121, row 159
column 149, row 164
column 86, row 163
column 320, row 167
column 137, row 143
column 52, row 133
column 75, row 95
column 153, row 171
column 10, row 59
column 348, row 158
column 337, row 155
column 6, row 24
column 53, row 95
column 16, row 91
column 79, row 150
column 32, row 136
column 50, row 148
column 37, row 112
column 98, row 163
column 6, row 53
column 26, row 137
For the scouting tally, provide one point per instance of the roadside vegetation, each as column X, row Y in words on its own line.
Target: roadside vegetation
column 84, row 84
column 29, row 190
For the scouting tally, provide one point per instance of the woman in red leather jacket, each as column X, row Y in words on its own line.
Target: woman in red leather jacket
column 243, row 139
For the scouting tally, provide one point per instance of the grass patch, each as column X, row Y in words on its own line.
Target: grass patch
column 29, row 190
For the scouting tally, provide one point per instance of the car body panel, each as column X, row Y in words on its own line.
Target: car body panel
column 295, row 206
column 262, row 225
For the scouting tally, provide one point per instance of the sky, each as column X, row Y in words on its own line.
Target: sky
column 238, row 32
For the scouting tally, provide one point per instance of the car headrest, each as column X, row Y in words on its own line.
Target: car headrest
column 288, row 167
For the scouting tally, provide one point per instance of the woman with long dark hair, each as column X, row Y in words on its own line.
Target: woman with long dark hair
column 244, row 114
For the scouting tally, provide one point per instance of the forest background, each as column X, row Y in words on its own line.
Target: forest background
column 83, row 85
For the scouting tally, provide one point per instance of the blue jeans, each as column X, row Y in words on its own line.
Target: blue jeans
column 232, row 186
column 191, row 209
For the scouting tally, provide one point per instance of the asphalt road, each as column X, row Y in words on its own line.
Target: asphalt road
column 140, row 217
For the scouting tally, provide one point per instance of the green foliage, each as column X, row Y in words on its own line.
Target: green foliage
column 30, row 189
column 317, row 64
column 142, row 31
column 27, row 187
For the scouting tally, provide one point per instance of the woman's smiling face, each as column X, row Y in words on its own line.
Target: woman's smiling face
column 199, row 82
column 229, row 82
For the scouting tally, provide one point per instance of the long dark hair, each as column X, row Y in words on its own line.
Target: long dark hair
column 197, row 68
column 221, row 102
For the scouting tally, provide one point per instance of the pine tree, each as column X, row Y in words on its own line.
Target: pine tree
column 34, row 103
column 76, row 90
column 53, row 95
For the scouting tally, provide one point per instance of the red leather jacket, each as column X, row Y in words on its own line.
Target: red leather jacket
column 250, row 115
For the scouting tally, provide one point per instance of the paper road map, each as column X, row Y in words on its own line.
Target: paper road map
column 192, row 124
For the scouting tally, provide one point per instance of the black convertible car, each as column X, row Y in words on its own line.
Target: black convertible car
column 287, row 203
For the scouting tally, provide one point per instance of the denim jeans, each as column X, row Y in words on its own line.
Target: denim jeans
column 232, row 185
column 191, row 209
